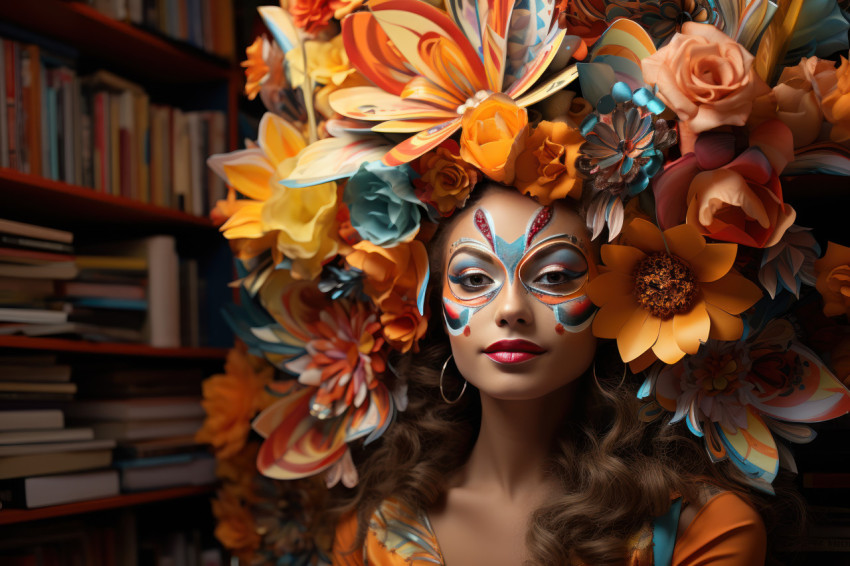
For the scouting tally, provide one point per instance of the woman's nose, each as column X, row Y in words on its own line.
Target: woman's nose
column 513, row 306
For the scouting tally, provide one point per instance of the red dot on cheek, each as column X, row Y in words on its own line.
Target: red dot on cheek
column 560, row 329
column 466, row 331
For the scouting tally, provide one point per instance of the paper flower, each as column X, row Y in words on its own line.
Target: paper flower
column 493, row 135
column 666, row 293
column 256, row 68
column 796, row 99
column 255, row 173
column 425, row 81
column 401, row 270
column 731, row 392
column 402, row 322
column 445, row 179
column 705, row 77
column 836, row 104
column 382, row 203
column 729, row 197
column 663, row 18
column 790, row 262
column 235, row 528
column 312, row 15
column 231, row 400
column 833, row 279
column 339, row 283
column 546, row 169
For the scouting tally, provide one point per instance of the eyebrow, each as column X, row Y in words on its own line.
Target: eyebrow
column 471, row 247
column 568, row 239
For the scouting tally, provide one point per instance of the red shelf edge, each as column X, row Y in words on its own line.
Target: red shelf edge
column 114, row 348
column 12, row 516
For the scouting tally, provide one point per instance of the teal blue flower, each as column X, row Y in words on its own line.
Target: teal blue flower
column 383, row 205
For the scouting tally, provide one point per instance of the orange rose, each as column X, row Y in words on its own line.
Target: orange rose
column 705, row 77
column 493, row 135
column 402, row 323
column 399, row 270
column 836, row 104
column 833, row 273
column 546, row 168
column 445, row 179
column 312, row 15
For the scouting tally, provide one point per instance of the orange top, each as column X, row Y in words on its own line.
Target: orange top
column 725, row 532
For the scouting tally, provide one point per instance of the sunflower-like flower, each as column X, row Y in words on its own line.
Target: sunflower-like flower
column 737, row 394
column 344, row 357
column 666, row 293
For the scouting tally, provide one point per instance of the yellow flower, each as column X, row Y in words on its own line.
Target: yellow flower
column 665, row 293
column 833, row 283
column 305, row 222
column 327, row 62
column 231, row 400
column 546, row 170
column 494, row 134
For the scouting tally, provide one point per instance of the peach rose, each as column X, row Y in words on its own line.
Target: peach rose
column 546, row 169
column 833, row 283
column 705, row 77
column 836, row 104
column 445, row 179
column 493, row 135
column 402, row 323
column 312, row 15
column 399, row 270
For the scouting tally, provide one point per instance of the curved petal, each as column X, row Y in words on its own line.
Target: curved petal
column 334, row 158
column 638, row 334
column 665, row 347
column 421, row 143
column 644, row 235
column 752, row 449
column 610, row 287
column 371, row 52
column 684, row 241
column 246, row 170
column 733, row 293
column 611, row 318
column 278, row 138
column 671, row 190
column 724, row 326
column 714, row 261
column 623, row 259
column 372, row 103
column 691, row 328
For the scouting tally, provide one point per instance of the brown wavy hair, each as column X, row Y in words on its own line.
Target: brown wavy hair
column 615, row 472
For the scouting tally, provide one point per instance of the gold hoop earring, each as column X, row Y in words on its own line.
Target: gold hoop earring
column 596, row 377
column 442, row 393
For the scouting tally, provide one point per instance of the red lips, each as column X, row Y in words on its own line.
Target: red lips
column 512, row 351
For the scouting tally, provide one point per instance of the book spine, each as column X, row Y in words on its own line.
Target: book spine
column 163, row 292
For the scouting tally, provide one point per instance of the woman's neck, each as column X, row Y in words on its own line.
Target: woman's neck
column 515, row 443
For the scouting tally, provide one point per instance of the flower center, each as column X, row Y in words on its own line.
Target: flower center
column 474, row 100
column 665, row 285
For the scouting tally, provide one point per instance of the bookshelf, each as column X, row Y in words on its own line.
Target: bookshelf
column 172, row 73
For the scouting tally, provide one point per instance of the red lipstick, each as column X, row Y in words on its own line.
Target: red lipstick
column 512, row 351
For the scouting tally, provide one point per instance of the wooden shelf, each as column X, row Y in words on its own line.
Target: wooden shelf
column 110, row 348
column 11, row 516
column 71, row 207
column 97, row 36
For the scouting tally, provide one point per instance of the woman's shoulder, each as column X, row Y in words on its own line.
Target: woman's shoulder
column 723, row 529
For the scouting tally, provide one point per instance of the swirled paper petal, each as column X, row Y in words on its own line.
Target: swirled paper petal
column 371, row 52
column 282, row 27
column 752, row 449
column 335, row 158
column 421, row 143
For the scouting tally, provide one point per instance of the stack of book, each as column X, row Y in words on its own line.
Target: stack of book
column 38, row 451
column 126, row 291
column 102, row 131
column 155, row 436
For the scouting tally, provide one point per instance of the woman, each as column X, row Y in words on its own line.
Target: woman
column 531, row 462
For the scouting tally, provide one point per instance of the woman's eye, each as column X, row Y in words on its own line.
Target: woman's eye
column 475, row 280
column 556, row 277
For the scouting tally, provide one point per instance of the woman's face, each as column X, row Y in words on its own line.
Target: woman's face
column 514, row 295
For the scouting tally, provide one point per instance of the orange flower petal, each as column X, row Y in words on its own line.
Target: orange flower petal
column 644, row 235
column 621, row 258
column 665, row 347
column 691, row 328
column 733, row 293
column 642, row 362
column 684, row 241
column 611, row 318
column 724, row 326
column 610, row 286
column 638, row 334
column 714, row 261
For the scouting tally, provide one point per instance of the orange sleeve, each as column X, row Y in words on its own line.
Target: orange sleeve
column 725, row 532
column 344, row 552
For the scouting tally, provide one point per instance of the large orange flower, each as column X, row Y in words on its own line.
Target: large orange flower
column 667, row 292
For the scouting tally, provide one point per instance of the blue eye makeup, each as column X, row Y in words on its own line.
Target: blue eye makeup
column 556, row 270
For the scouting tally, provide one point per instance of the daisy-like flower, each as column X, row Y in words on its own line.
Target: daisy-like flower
column 738, row 394
column 666, row 293
column 344, row 357
column 622, row 151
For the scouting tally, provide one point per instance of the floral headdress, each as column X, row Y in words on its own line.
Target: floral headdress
column 679, row 120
